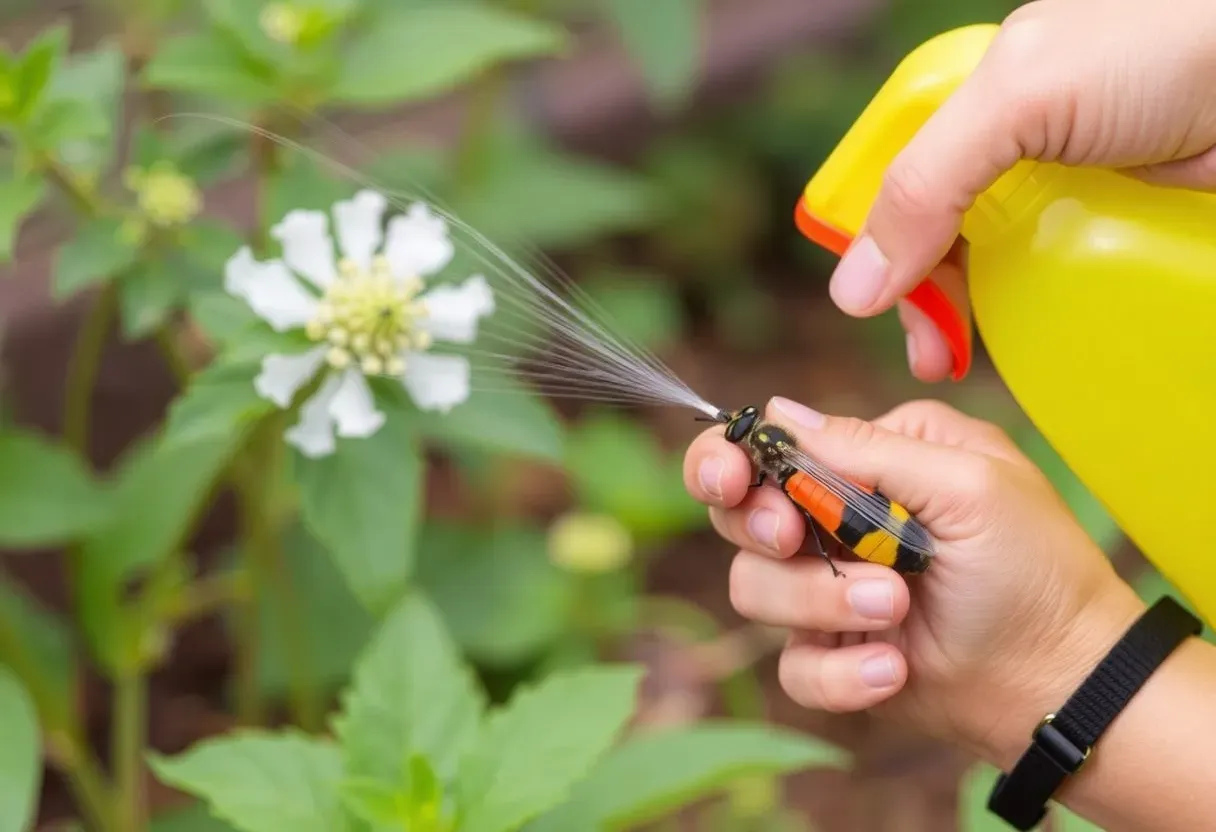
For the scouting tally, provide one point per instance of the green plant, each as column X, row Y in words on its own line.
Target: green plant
column 334, row 556
column 414, row 747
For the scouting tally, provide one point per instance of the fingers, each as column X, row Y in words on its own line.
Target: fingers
column 929, row 357
column 926, row 478
column 958, row 153
column 765, row 521
column 840, row 679
column 802, row 593
column 939, row 423
column 716, row 472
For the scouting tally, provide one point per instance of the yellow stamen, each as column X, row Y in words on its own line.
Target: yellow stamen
column 370, row 318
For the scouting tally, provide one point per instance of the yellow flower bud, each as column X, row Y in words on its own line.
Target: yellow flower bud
column 282, row 22
column 165, row 196
column 589, row 543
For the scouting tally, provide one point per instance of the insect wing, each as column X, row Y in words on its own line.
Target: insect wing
column 875, row 509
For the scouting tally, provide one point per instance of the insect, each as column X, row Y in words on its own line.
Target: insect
column 547, row 332
column 871, row 526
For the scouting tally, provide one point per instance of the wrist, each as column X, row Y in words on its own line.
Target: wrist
column 1062, row 663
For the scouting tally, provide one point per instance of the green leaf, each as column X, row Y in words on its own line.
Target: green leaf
column 1065, row 821
column 20, row 754
column 649, row 776
column 411, row 694
column 194, row 818
column 510, row 420
column 162, row 487
column 551, row 200
column 973, row 814
column 222, row 317
column 334, row 625
column 221, row 399
column 94, row 79
column 664, row 39
column 209, row 64
column 502, row 598
column 545, row 740
column 37, row 66
column 262, row 782
column 18, row 199
column 364, row 503
column 425, row 50
column 303, row 184
column 619, row 468
column 47, row 495
column 1090, row 513
column 66, row 120
column 376, row 803
column 208, row 158
column 40, row 652
column 240, row 20
column 97, row 253
column 149, row 294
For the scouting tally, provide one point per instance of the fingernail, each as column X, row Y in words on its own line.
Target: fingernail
column 799, row 413
column 710, row 475
column 859, row 277
column 873, row 599
column 911, row 339
column 878, row 672
column 762, row 524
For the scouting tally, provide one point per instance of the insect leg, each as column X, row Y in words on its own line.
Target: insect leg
column 759, row 480
column 814, row 524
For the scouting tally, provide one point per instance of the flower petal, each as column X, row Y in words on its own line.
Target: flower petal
column 358, row 224
column 270, row 290
column 353, row 408
column 282, row 376
column 307, row 246
column 436, row 382
column 453, row 311
column 313, row 435
column 417, row 243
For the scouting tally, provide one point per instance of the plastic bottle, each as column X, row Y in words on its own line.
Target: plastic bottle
column 1095, row 296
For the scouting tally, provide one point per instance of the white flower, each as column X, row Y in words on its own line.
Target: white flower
column 366, row 313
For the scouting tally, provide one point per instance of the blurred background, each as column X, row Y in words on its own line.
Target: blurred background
column 656, row 157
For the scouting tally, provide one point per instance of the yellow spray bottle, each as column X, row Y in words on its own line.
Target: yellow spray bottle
column 1095, row 295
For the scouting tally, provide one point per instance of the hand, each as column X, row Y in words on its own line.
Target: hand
column 1115, row 83
column 1015, row 610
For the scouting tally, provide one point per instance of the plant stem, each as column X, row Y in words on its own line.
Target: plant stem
column 210, row 593
column 83, row 366
column 267, row 572
column 130, row 727
column 86, row 781
column 84, row 200
column 65, row 751
column 177, row 363
column 478, row 129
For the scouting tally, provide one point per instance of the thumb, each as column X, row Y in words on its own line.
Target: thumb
column 931, row 481
column 960, row 151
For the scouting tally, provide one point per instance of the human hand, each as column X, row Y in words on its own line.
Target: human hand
column 1113, row 83
column 1014, row 611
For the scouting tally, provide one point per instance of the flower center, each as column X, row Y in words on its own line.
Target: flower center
column 370, row 319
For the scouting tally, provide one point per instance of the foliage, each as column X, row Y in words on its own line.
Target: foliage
column 416, row 746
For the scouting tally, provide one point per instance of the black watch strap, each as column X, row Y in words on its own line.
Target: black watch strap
column 1062, row 742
